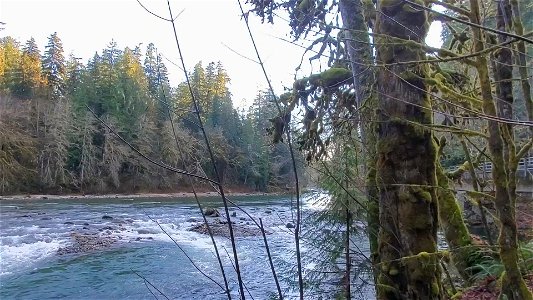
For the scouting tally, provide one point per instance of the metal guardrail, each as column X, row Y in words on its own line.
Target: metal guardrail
column 525, row 167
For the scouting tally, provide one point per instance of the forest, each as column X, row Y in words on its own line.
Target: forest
column 52, row 143
column 398, row 133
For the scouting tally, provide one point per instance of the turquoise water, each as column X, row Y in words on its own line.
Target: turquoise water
column 31, row 232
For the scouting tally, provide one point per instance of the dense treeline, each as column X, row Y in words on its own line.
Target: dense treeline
column 51, row 142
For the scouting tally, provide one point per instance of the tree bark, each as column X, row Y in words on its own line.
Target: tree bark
column 463, row 252
column 359, row 51
column 406, row 158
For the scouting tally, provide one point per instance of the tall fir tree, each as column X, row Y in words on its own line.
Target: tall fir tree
column 30, row 70
column 54, row 67
column 10, row 64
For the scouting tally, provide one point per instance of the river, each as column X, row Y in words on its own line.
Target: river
column 143, row 259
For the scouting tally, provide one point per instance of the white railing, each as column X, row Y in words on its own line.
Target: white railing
column 525, row 167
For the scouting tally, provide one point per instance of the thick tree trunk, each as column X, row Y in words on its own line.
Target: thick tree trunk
column 406, row 159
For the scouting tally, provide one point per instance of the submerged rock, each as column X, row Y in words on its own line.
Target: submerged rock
column 220, row 228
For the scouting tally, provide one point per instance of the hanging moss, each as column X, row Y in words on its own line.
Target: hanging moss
column 332, row 77
column 423, row 194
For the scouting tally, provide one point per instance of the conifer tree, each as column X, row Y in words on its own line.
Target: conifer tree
column 10, row 64
column 30, row 70
column 54, row 67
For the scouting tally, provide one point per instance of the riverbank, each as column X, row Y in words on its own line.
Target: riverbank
column 228, row 193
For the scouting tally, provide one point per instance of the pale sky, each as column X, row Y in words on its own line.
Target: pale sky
column 204, row 28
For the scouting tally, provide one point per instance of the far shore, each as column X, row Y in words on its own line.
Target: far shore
column 137, row 195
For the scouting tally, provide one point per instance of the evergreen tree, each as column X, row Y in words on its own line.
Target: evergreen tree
column 150, row 69
column 10, row 65
column 75, row 71
column 111, row 53
column 54, row 67
column 133, row 91
column 30, row 70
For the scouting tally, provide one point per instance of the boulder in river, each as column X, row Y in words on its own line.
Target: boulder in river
column 106, row 217
column 145, row 231
column 211, row 212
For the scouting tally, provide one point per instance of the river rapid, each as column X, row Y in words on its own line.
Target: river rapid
column 141, row 261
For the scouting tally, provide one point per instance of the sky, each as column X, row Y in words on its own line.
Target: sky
column 208, row 30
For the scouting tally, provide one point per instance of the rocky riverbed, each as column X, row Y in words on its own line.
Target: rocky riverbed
column 220, row 228
column 87, row 242
column 112, row 230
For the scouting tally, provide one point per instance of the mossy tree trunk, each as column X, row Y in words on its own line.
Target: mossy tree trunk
column 521, row 55
column 463, row 252
column 513, row 285
column 359, row 51
column 406, row 159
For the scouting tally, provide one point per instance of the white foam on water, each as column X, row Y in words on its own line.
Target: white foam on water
column 10, row 206
column 26, row 239
column 21, row 256
column 197, row 240
column 316, row 201
column 179, row 232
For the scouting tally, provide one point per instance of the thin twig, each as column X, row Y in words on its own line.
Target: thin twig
column 233, row 265
column 185, row 253
column 239, row 54
column 295, row 170
column 519, row 37
column 280, row 294
column 162, row 165
column 146, row 281
column 182, row 158
column 211, row 155
column 152, row 13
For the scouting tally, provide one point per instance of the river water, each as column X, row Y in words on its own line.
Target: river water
column 32, row 232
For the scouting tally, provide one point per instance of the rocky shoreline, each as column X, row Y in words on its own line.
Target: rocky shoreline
column 122, row 196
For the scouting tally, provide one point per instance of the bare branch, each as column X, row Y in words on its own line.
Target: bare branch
column 152, row 13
